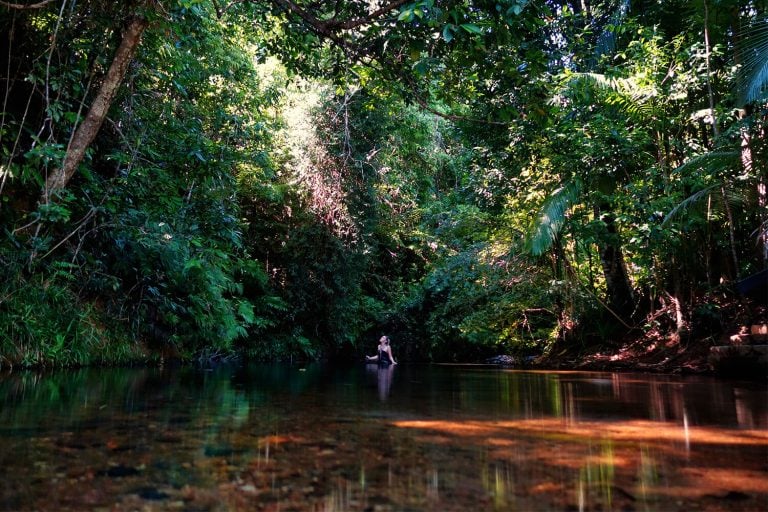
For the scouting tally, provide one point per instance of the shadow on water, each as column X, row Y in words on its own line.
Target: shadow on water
column 272, row 437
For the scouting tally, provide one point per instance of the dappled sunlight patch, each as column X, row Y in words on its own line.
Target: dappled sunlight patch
column 633, row 430
column 608, row 460
column 435, row 439
column 711, row 480
column 617, row 464
column 546, row 488
column 501, row 442
column 280, row 439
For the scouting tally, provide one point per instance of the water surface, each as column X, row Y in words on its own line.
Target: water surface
column 364, row 438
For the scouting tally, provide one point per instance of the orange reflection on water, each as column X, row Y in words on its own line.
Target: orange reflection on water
column 712, row 479
column 628, row 431
column 647, row 459
column 279, row 439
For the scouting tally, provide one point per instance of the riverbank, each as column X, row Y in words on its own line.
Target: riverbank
column 639, row 354
column 728, row 355
column 719, row 335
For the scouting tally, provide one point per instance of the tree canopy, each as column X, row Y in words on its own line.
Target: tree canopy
column 289, row 178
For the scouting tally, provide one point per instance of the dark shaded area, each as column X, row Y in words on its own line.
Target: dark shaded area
column 755, row 287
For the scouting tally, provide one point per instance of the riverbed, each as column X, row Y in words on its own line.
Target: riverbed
column 405, row 437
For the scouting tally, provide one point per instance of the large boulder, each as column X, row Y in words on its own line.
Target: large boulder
column 740, row 360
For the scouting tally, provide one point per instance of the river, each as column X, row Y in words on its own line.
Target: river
column 409, row 437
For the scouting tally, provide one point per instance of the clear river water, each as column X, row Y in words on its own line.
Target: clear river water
column 409, row 437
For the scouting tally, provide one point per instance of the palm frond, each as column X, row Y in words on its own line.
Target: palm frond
column 551, row 217
column 687, row 202
column 761, row 233
column 717, row 194
column 712, row 163
column 752, row 81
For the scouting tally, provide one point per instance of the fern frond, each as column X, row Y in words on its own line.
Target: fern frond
column 601, row 82
column 625, row 93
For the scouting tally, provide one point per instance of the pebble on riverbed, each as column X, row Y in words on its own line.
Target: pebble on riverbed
column 118, row 471
column 151, row 494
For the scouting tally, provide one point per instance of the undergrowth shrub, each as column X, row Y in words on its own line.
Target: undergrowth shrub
column 44, row 323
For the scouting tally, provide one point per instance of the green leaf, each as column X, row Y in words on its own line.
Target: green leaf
column 245, row 310
column 421, row 67
column 448, row 33
column 193, row 263
column 471, row 28
column 406, row 15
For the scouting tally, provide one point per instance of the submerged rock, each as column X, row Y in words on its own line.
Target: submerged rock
column 502, row 360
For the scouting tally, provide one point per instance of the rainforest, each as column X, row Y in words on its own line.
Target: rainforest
column 564, row 182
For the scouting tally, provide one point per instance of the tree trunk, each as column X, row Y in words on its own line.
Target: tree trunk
column 619, row 291
column 747, row 162
column 89, row 128
column 710, row 93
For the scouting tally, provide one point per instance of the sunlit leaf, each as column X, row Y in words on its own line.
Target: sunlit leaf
column 471, row 28
column 551, row 217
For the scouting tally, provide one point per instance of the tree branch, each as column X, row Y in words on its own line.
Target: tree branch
column 350, row 24
column 25, row 6
column 329, row 27
column 89, row 128
column 221, row 10
column 453, row 117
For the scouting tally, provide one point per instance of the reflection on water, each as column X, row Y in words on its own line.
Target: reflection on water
column 383, row 375
column 391, row 438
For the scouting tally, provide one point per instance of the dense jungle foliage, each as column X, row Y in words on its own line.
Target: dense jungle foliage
column 286, row 179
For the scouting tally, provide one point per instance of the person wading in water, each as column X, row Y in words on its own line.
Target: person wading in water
column 384, row 356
